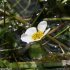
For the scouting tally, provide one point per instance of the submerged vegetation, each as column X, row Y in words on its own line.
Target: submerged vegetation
column 17, row 16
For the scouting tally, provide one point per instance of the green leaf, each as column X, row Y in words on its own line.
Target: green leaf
column 36, row 52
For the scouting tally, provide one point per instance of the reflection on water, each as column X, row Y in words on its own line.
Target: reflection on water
column 24, row 7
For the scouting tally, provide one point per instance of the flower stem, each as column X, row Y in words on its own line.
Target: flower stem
column 38, row 16
column 56, row 19
column 59, row 33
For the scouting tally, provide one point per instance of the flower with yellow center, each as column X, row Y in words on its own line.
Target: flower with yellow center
column 37, row 35
column 32, row 34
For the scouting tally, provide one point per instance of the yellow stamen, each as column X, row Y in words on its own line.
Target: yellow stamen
column 37, row 35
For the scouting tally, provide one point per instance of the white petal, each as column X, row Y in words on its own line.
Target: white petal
column 46, row 31
column 31, row 31
column 42, row 26
column 26, row 38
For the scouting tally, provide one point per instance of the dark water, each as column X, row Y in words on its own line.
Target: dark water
column 24, row 7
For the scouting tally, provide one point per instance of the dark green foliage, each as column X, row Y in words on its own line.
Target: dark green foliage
column 15, row 18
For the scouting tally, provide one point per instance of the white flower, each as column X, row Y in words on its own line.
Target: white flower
column 32, row 34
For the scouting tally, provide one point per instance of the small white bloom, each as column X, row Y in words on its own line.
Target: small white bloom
column 35, row 34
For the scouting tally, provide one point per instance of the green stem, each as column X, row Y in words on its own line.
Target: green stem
column 56, row 41
column 62, row 49
column 5, row 50
column 37, row 17
column 27, row 47
column 4, row 44
column 16, row 60
column 20, row 19
column 59, row 33
column 56, row 19
column 55, row 29
column 2, row 21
